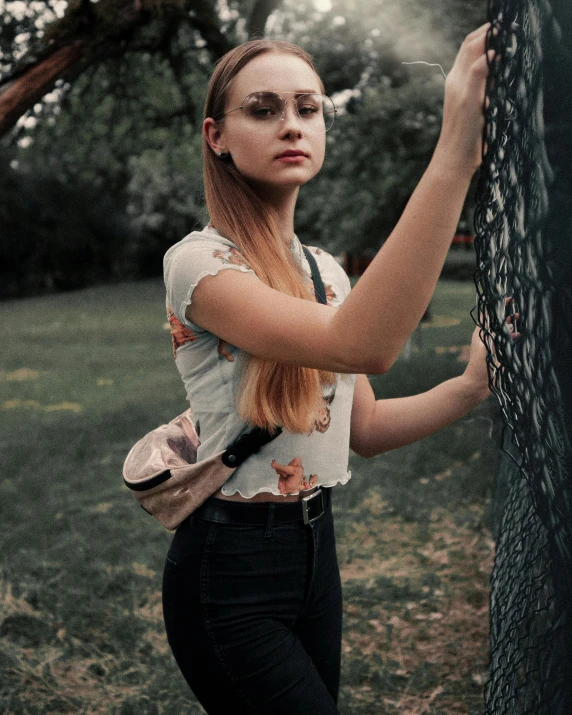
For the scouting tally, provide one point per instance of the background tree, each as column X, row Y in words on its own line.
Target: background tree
column 121, row 124
column 85, row 33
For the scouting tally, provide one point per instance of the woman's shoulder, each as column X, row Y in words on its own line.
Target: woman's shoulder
column 204, row 251
column 206, row 239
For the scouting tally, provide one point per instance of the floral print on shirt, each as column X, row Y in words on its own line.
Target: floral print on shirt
column 223, row 351
column 323, row 420
column 180, row 334
column 292, row 478
column 231, row 255
column 330, row 293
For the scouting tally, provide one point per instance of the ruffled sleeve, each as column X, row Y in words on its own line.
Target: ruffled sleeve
column 198, row 255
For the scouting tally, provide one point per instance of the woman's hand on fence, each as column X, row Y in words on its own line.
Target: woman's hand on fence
column 460, row 145
column 477, row 373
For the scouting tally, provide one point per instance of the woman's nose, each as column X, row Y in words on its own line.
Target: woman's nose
column 291, row 120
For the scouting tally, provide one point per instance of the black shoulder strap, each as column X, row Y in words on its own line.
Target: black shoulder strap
column 246, row 445
column 319, row 289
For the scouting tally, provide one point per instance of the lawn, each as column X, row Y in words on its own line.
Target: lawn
column 85, row 374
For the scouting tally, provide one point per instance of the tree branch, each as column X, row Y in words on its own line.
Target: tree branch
column 19, row 95
column 258, row 17
column 205, row 20
column 90, row 33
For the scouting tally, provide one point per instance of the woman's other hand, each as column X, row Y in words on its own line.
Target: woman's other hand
column 460, row 145
column 477, row 373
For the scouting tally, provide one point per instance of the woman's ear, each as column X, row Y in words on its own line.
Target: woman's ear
column 213, row 135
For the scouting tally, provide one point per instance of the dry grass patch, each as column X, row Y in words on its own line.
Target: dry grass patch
column 416, row 615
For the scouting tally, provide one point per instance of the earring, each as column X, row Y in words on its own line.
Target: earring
column 223, row 154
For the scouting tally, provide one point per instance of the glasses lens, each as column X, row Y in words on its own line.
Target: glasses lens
column 263, row 106
column 316, row 110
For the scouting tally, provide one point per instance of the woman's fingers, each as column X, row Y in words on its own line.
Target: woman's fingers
column 475, row 45
column 474, row 51
column 461, row 140
column 511, row 320
column 480, row 31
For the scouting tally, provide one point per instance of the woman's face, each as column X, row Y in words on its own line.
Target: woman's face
column 256, row 146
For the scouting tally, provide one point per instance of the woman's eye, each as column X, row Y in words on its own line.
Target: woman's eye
column 262, row 112
column 308, row 110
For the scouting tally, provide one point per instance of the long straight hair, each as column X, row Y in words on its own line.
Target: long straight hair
column 270, row 393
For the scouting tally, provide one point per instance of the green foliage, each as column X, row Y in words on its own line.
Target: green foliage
column 56, row 236
column 164, row 192
column 126, row 132
column 22, row 22
column 391, row 114
column 129, row 127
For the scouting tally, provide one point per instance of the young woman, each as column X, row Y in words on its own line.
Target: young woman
column 252, row 594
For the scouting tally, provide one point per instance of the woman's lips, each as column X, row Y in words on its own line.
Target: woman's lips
column 292, row 158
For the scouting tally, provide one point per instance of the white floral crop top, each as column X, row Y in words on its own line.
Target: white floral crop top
column 210, row 369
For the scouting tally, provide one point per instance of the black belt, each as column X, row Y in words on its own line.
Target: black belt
column 307, row 510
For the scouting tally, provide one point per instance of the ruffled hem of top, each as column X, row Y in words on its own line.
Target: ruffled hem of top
column 266, row 490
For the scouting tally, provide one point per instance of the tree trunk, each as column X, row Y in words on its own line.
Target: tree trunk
column 26, row 89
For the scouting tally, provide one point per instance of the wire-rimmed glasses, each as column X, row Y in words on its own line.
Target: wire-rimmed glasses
column 315, row 111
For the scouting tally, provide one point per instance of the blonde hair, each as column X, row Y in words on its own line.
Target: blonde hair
column 270, row 393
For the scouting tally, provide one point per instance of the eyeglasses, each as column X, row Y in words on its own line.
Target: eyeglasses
column 315, row 111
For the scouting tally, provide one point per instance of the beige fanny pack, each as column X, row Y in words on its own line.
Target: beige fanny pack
column 162, row 471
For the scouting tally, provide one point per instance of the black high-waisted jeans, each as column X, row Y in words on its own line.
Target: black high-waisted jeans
column 254, row 613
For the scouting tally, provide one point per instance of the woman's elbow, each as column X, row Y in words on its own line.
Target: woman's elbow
column 365, row 365
column 357, row 356
column 362, row 448
column 367, row 451
column 377, row 366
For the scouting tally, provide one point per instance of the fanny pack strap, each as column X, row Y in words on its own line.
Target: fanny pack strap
column 250, row 443
column 247, row 444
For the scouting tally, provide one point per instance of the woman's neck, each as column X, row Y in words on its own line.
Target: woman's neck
column 284, row 205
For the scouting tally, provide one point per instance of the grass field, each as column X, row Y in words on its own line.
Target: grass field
column 85, row 374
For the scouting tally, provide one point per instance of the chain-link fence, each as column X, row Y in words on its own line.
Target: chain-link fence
column 524, row 252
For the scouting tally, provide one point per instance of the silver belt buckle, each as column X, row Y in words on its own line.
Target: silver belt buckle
column 308, row 508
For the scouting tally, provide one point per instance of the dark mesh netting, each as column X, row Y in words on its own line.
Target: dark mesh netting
column 524, row 251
